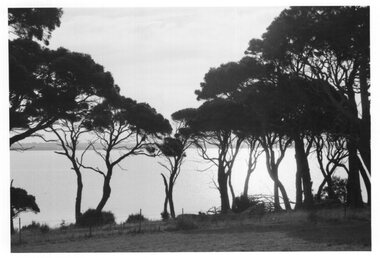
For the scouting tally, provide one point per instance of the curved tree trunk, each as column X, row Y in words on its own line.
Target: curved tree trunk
column 284, row 196
column 330, row 191
column 232, row 191
column 367, row 183
column 106, row 192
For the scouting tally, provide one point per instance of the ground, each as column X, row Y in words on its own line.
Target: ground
column 301, row 233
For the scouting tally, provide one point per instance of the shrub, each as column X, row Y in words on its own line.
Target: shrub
column 133, row 218
column 93, row 218
column 185, row 224
column 164, row 215
column 44, row 228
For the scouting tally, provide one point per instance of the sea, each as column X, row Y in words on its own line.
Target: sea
column 137, row 184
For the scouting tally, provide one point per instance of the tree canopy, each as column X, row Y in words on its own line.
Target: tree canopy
column 35, row 23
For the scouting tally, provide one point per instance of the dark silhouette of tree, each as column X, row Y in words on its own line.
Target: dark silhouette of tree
column 255, row 151
column 126, row 127
column 212, row 126
column 336, row 156
column 174, row 152
column 68, row 133
column 21, row 201
column 34, row 23
column 330, row 44
column 86, row 83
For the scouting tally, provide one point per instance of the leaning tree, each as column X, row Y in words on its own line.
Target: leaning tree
column 122, row 128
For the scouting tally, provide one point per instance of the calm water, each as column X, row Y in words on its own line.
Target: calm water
column 138, row 185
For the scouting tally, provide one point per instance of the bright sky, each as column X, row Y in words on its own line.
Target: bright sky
column 160, row 55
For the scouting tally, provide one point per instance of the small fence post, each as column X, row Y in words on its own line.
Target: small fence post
column 182, row 212
column 19, row 229
column 140, row 222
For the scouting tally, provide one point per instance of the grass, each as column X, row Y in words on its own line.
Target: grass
column 334, row 230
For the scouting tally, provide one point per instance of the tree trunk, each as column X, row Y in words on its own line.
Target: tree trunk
column 223, row 189
column 330, row 192
column 106, row 192
column 298, row 190
column 166, row 205
column 354, row 195
column 365, row 123
column 304, row 171
column 277, row 206
column 170, row 199
column 78, row 200
column 367, row 183
column 284, row 195
column 246, row 183
column 12, row 226
column 166, row 194
column 232, row 191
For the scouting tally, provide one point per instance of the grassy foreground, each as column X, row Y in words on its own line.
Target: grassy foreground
column 332, row 230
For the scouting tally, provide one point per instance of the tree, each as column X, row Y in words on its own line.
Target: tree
column 336, row 155
column 21, row 201
column 127, row 127
column 34, row 23
column 212, row 125
column 68, row 133
column 174, row 152
column 329, row 44
column 255, row 151
column 86, row 83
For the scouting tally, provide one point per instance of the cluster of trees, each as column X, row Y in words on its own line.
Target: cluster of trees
column 69, row 95
column 304, row 84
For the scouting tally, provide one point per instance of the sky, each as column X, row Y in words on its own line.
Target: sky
column 160, row 55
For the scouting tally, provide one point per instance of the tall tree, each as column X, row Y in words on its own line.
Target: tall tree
column 126, row 127
column 174, row 152
column 213, row 125
column 86, row 83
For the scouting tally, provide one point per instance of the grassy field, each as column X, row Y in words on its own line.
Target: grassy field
column 332, row 230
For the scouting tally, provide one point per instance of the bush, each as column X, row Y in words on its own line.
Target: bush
column 134, row 218
column 93, row 218
column 185, row 224
column 164, row 215
column 44, row 228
